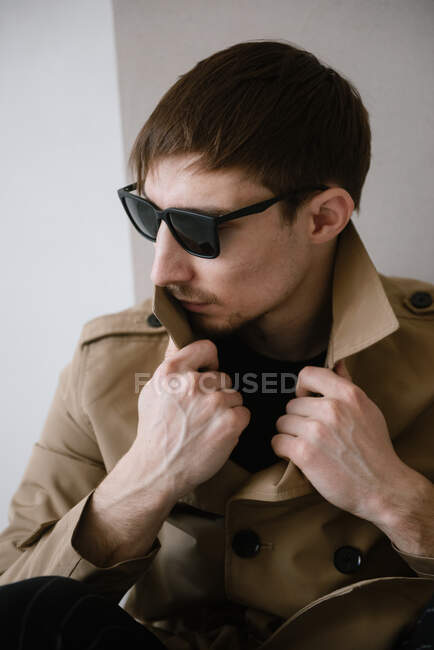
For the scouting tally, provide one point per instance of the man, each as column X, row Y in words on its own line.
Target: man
column 246, row 517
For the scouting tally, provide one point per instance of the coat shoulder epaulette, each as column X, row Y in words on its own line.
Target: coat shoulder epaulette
column 138, row 319
column 409, row 298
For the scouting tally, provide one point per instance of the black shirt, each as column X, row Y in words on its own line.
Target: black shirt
column 266, row 386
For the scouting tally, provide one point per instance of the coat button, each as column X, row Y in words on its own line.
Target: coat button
column 153, row 321
column 421, row 299
column 246, row 543
column 348, row 559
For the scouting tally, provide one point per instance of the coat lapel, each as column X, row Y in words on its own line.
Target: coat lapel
column 362, row 314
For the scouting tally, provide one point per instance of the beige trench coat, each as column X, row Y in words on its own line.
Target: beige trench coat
column 193, row 587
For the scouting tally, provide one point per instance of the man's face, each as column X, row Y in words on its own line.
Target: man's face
column 256, row 279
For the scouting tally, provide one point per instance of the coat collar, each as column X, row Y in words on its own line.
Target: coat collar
column 362, row 316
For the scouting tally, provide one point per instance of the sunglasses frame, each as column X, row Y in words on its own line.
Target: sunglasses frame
column 164, row 215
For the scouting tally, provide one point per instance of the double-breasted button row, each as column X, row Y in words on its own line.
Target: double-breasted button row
column 247, row 544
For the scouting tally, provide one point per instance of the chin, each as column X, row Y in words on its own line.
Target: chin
column 209, row 327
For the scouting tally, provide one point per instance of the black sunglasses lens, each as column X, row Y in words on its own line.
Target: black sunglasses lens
column 144, row 217
column 198, row 235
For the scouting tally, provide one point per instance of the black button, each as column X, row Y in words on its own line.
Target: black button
column 348, row 559
column 246, row 543
column 421, row 299
column 153, row 321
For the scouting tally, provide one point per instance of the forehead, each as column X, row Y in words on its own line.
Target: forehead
column 173, row 182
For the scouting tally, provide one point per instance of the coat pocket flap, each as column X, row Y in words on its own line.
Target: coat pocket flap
column 36, row 534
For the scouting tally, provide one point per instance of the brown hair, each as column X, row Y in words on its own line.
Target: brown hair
column 269, row 108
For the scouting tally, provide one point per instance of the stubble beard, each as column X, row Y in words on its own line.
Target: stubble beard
column 233, row 325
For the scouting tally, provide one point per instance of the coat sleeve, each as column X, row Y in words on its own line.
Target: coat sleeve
column 64, row 469
column 416, row 449
column 421, row 564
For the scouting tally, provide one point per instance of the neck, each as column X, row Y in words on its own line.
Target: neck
column 300, row 328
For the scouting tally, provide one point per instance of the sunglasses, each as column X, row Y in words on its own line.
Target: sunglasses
column 196, row 232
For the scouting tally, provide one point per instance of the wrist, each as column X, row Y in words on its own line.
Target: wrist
column 131, row 483
column 136, row 476
column 121, row 520
column 119, row 497
column 405, row 511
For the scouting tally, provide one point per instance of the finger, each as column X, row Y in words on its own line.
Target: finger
column 306, row 406
column 243, row 414
column 284, row 446
column 292, row 425
column 321, row 381
column 212, row 381
column 226, row 401
column 233, row 399
column 199, row 354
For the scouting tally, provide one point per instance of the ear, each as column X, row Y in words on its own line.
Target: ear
column 329, row 213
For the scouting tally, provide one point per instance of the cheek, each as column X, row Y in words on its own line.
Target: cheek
column 247, row 283
column 242, row 271
column 263, row 266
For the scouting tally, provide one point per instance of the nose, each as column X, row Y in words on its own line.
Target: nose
column 172, row 264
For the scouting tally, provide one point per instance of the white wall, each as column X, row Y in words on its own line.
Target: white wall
column 386, row 47
column 64, row 245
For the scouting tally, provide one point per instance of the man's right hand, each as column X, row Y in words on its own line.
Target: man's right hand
column 189, row 422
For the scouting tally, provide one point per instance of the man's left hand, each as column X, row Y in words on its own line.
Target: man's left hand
column 341, row 443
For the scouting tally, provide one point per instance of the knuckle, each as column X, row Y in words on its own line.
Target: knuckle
column 230, row 423
column 304, row 373
column 216, row 400
column 304, row 451
column 169, row 366
column 205, row 381
column 225, row 380
column 233, row 416
column 238, row 416
column 352, row 393
column 208, row 346
column 332, row 408
column 192, row 378
column 317, row 429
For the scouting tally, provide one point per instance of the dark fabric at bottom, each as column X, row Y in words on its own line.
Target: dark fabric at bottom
column 419, row 636
column 57, row 613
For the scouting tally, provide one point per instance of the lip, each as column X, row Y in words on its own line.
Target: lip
column 194, row 306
